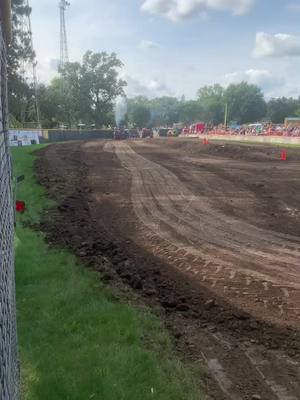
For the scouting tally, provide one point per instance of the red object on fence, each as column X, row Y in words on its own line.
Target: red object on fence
column 283, row 155
column 20, row 206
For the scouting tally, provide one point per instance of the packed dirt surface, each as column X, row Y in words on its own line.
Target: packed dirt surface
column 207, row 235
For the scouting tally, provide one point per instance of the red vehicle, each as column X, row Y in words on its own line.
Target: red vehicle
column 195, row 129
column 198, row 128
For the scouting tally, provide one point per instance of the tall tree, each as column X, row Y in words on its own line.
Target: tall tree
column 51, row 99
column 164, row 111
column 19, row 92
column 139, row 115
column 100, row 84
column 191, row 111
column 91, row 88
column 246, row 102
column 281, row 108
column 211, row 98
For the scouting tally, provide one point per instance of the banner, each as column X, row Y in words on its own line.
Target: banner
column 24, row 137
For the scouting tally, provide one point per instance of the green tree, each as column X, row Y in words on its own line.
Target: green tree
column 71, row 91
column 91, row 88
column 165, row 111
column 50, row 98
column 19, row 92
column 139, row 115
column 245, row 102
column 139, row 100
column 100, row 85
column 281, row 108
column 191, row 111
column 211, row 99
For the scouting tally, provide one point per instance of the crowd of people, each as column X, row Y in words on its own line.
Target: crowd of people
column 257, row 129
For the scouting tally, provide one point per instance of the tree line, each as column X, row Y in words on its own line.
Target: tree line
column 85, row 92
column 242, row 102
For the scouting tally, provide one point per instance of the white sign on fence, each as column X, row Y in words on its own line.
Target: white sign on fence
column 24, row 138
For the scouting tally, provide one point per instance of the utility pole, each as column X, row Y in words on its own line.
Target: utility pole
column 226, row 115
column 64, row 53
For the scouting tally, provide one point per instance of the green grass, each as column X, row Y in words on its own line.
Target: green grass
column 29, row 190
column 76, row 341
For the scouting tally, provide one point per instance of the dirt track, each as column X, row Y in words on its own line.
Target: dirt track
column 208, row 235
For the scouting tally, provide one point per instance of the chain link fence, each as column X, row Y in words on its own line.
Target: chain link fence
column 9, row 370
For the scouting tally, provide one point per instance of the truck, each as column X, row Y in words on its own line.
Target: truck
column 195, row 129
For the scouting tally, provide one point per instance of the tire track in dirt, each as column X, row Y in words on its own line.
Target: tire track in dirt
column 97, row 220
column 259, row 268
column 207, row 244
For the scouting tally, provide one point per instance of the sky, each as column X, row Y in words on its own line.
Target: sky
column 174, row 47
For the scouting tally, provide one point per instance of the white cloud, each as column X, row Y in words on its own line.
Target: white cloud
column 177, row 10
column 149, row 88
column 263, row 78
column 148, row 44
column 259, row 76
column 278, row 45
column 254, row 76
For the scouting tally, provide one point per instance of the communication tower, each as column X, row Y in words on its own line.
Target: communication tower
column 30, row 106
column 64, row 53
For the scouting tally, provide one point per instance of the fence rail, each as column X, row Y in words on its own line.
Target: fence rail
column 9, row 370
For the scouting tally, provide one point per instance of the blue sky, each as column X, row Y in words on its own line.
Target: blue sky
column 173, row 47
